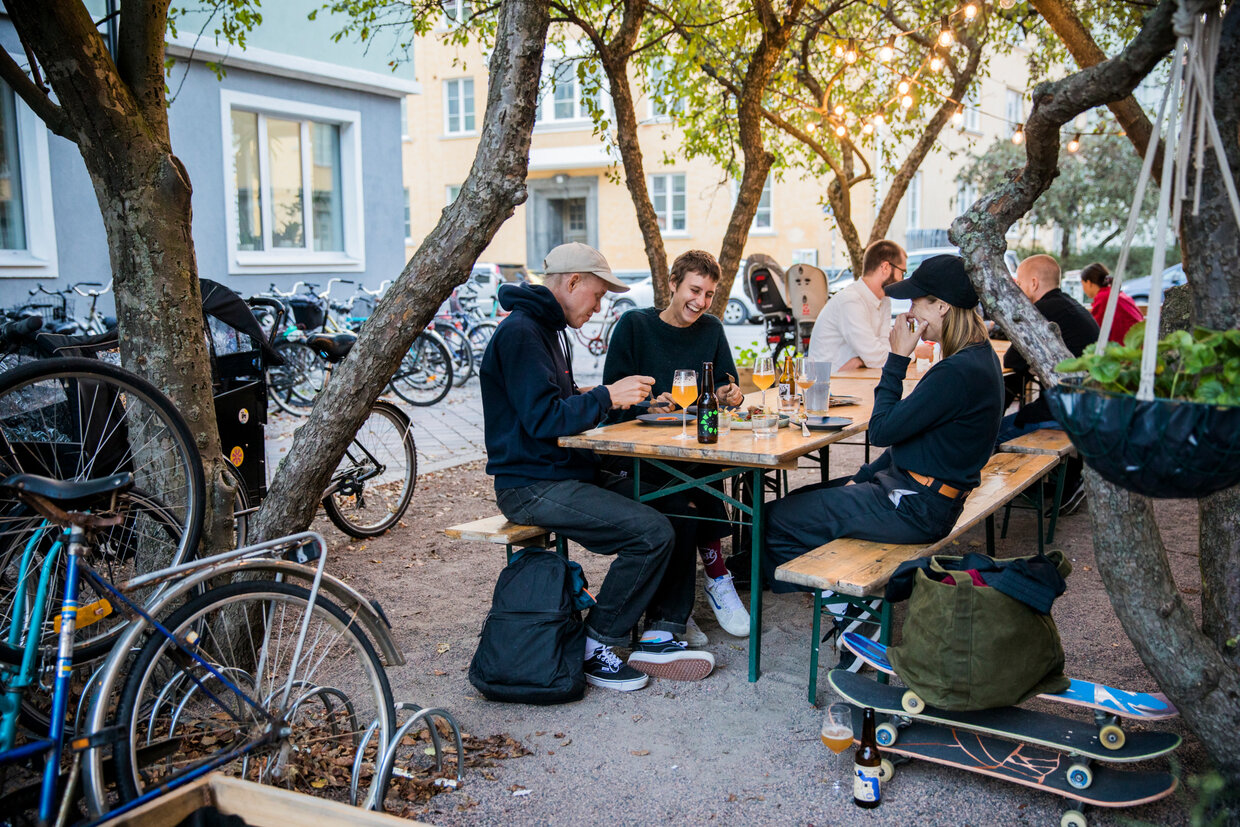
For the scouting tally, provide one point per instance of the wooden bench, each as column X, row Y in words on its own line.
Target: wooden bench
column 857, row 571
column 499, row 530
column 1051, row 442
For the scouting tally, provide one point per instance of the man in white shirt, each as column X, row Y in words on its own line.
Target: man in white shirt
column 852, row 329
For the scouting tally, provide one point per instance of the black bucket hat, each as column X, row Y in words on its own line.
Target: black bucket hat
column 940, row 276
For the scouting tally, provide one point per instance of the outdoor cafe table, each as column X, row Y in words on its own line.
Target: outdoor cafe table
column 738, row 453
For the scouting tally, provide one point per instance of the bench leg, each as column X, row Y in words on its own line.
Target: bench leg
column 815, row 643
column 758, row 491
column 1007, row 515
column 1041, row 511
column 1060, row 477
column 990, row 535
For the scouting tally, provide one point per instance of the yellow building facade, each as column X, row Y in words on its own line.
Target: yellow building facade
column 577, row 194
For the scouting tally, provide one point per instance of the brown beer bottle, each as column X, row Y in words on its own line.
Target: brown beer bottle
column 787, row 384
column 866, row 765
column 708, row 407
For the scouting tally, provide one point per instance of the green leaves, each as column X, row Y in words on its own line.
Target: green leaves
column 1199, row 366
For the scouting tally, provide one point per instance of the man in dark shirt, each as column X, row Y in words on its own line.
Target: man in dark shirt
column 1038, row 278
column 529, row 401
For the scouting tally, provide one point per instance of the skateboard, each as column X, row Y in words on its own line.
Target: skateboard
column 1108, row 703
column 1029, row 726
column 1021, row 764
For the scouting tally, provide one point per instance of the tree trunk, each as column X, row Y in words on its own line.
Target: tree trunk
column 116, row 113
column 495, row 186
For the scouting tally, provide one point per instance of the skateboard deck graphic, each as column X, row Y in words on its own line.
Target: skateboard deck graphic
column 1024, row 764
column 1014, row 722
column 1146, row 706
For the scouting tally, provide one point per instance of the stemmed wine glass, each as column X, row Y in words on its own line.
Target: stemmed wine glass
column 684, row 394
column 763, row 375
column 804, row 379
column 837, row 729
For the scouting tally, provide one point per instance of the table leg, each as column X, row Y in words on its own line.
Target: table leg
column 755, row 575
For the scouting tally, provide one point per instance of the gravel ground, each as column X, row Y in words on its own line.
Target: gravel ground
column 723, row 748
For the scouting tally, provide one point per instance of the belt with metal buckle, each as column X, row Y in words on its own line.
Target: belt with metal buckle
column 938, row 486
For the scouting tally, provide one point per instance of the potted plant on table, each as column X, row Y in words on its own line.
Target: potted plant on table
column 1183, row 443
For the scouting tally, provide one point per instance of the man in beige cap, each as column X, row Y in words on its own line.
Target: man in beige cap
column 529, row 401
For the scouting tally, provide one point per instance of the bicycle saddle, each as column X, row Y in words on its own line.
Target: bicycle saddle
column 333, row 346
column 66, row 492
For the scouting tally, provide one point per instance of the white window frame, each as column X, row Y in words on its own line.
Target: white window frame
column 452, row 13
column 973, row 110
column 653, row 112
column 1013, row 109
column 769, row 187
column 805, row 255
column 671, row 180
column 545, row 118
column 912, row 198
column 458, row 84
column 283, row 260
column 40, row 258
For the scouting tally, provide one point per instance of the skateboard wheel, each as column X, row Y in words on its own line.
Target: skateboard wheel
column 1080, row 776
column 912, row 702
column 1073, row 818
column 886, row 734
column 886, row 771
column 1111, row 736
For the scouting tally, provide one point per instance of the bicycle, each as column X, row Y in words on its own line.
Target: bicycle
column 259, row 677
column 597, row 344
column 94, row 322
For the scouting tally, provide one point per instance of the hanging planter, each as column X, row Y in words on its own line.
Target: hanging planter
column 1159, row 448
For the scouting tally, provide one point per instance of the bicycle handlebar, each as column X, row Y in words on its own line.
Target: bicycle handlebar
column 91, row 294
column 20, row 329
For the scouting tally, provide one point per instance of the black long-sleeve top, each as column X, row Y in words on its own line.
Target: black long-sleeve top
column 1079, row 331
column 946, row 428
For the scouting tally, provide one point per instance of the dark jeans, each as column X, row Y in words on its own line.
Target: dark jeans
column 870, row 510
column 649, row 573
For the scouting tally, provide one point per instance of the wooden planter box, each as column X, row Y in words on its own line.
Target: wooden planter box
column 257, row 805
column 744, row 378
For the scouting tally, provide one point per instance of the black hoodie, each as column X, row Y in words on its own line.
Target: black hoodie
column 529, row 399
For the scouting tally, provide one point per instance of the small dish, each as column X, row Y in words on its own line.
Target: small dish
column 827, row 423
column 665, row 419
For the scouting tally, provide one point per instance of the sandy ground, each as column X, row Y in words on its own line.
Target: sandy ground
column 722, row 749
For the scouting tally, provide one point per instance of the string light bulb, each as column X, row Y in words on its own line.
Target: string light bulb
column 958, row 115
column 903, row 86
column 867, row 128
column 936, row 61
column 1075, row 143
column 945, row 33
column 906, row 101
column 839, row 50
column 839, row 110
column 841, row 130
column 1018, row 137
column 850, row 54
column 888, row 50
column 970, row 11
column 879, row 119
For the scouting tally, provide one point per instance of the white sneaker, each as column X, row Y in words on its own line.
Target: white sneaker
column 694, row 636
column 729, row 610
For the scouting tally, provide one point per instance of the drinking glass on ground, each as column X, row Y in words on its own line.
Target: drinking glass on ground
column 837, row 731
column 764, row 424
column 684, row 393
column 763, row 375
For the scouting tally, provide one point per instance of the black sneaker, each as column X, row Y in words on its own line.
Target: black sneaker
column 605, row 668
column 671, row 659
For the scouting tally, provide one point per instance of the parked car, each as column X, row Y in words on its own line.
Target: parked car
column 488, row 277
column 838, row 278
column 641, row 294
column 1139, row 289
column 916, row 257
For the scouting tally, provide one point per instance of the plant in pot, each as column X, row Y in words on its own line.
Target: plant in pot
column 1185, row 442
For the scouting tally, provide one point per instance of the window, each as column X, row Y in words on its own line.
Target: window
column 667, row 194
column 456, row 12
column 27, row 231
column 458, row 108
column 973, row 110
column 966, row 195
column 762, row 218
column 658, row 76
column 294, row 174
column 563, row 97
column 408, row 216
column 913, row 199
column 404, row 119
column 453, row 191
column 577, row 215
column 806, row 255
column 1014, row 110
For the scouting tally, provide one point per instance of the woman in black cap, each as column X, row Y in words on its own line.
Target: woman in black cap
column 938, row 439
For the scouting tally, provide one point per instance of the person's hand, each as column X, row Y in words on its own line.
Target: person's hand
column 924, row 350
column 854, row 363
column 905, row 334
column 630, row 390
column 664, row 404
column 730, row 394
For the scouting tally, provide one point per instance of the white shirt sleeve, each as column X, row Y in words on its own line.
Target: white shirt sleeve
column 863, row 329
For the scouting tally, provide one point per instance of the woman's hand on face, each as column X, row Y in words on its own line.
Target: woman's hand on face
column 905, row 334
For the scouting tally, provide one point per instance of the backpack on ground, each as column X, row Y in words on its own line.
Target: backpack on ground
column 532, row 646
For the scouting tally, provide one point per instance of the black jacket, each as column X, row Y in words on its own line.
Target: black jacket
column 529, row 399
column 1079, row 331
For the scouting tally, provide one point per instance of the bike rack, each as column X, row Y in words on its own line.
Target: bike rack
column 385, row 767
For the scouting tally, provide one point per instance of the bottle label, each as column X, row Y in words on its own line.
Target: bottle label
column 708, row 425
column 865, row 783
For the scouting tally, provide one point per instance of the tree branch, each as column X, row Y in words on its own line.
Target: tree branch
column 34, row 97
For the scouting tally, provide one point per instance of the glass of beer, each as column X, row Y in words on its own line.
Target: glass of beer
column 837, row 729
column 684, row 394
column 763, row 374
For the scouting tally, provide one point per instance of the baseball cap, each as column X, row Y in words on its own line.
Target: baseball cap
column 940, row 276
column 576, row 257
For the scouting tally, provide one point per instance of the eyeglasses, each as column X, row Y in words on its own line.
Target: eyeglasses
column 895, row 266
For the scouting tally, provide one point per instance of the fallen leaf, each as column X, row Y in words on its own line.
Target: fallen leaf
column 544, row 732
column 636, row 718
column 515, row 788
column 443, row 647
column 319, row 783
column 566, row 743
column 639, row 752
column 558, row 735
column 439, row 673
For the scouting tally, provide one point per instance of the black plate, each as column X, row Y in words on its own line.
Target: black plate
column 827, row 423
column 665, row 419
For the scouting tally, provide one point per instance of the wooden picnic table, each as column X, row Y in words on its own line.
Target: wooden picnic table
column 738, row 453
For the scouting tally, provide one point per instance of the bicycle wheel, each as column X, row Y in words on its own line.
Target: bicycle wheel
column 77, row 419
column 294, row 385
column 425, row 373
column 479, row 337
column 310, row 704
column 374, row 482
column 461, row 352
column 146, row 540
